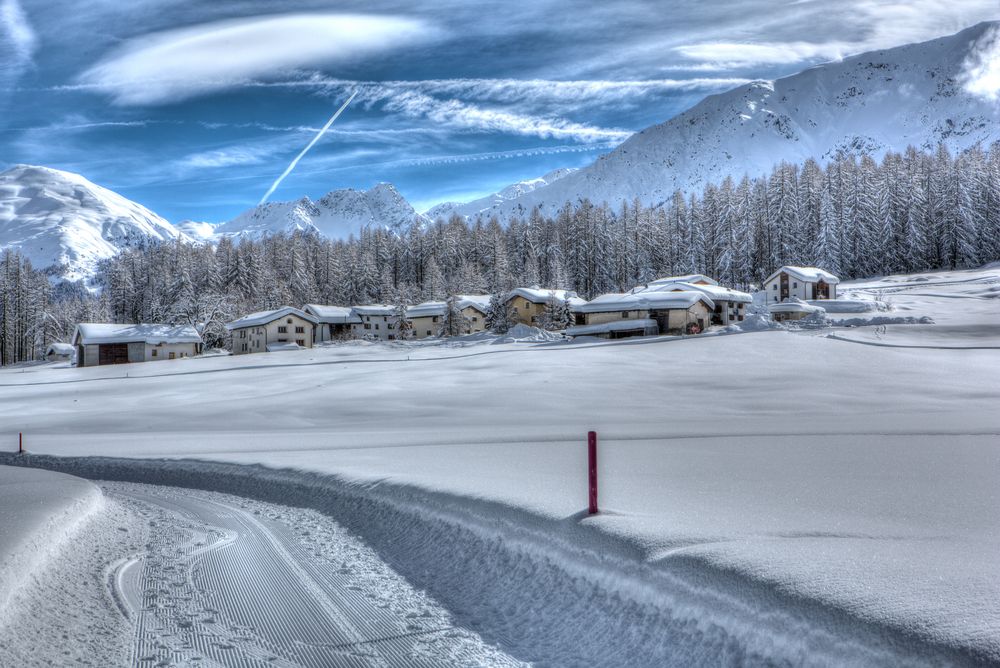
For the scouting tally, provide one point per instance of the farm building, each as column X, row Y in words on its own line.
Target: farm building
column 426, row 318
column 527, row 305
column 793, row 310
column 286, row 328
column 376, row 322
column 617, row 316
column 730, row 305
column 801, row 283
column 104, row 343
column 60, row 352
column 333, row 322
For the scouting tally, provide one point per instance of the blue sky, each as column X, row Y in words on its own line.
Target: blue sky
column 194, row 108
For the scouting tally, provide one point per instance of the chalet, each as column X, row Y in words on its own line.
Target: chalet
column 730, row 305
column 527, row 305
column 332, row 322
column 802, row 283
column 103, row 343
column 60, row 352
column 426, row 318
column 615, row 316
column 376, row 322
column 286, row 328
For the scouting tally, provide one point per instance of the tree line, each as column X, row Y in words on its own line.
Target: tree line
column 911, row 211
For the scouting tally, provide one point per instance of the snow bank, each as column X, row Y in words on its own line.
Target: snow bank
column 40, row 511
column 556, row 592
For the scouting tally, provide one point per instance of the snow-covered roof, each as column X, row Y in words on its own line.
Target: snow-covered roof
column 88, row 333
column 795, row 307
column 541, row 296
column 283, row 347
column 332, row 315
column 806, row 274
column 687, row 278
column 374, row 309
column 716, row 292
column 263, row 317
column 426, row 309
column 648, row 326
column 646, row 300
column 60, row 349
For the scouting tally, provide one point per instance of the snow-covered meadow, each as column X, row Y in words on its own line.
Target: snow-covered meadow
column 785, row 495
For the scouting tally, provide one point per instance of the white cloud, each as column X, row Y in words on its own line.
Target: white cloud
column 178, row 64
column 981, row 70
column 727, row 55
column 17, row 41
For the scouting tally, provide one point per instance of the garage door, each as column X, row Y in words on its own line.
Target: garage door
column 113, row 353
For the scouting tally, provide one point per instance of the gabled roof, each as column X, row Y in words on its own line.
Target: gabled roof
column 806, row 274
column 332, row 315
column 646, row 300
column 687, row 278
column 438, row 308
column 479, row 302
column 541, row 296
column 264, row 317
column 716, row 292
column 88, row 333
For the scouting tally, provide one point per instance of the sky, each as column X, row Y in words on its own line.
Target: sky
column 194, row 109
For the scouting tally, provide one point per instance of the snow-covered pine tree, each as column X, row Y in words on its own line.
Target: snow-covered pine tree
column 454, row 322
column 499, row 318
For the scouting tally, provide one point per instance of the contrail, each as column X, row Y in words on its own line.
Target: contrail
column 315, row 139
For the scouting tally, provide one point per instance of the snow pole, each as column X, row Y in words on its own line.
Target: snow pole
column 20, row 443
column 592, row 467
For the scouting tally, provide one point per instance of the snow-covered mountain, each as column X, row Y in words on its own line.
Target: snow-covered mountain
column 62, row 221
column 484, row 204
column 908, row 95
column 338, row 214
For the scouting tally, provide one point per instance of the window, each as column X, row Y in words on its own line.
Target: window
column 475, row 319
column 368, row 318
column 624, row 314
column 300, row 342
column 434, row 319
column 244, row 347
column 368, row 326
column 243, row 333
column 795, row 285
column 527, row 304
column 282, row 330
column 173, row 355
column 154, row 352
column 289, row 321
column 300, row 330
column 282, row 340
column 376, row 325
column 428, row 332
column 774, row 287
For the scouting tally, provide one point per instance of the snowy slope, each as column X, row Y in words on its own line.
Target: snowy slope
column 859, row 480
column 908, row 95
column 338, row 214
column 60, row 219
column 485, row 204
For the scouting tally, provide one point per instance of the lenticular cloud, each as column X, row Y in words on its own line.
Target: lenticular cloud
column 177, row 64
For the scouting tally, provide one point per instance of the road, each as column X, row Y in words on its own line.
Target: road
column 226, row 581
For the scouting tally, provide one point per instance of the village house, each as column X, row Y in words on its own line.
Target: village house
column 615, row 316
column 730, row 305
column 376, row 322
column 104, row 343
column 286, row 328
column 527, row 305
column 333, row 322
column 426, row 318
column 807, row 283
column 693, row 279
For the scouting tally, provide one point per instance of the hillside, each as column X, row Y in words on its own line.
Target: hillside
column 62, row 221
column 873, row 102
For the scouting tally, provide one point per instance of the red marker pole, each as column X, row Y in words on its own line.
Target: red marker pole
column 20, row 443
column 592, row 467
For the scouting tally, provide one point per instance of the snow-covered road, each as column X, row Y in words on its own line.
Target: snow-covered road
column 232, row 582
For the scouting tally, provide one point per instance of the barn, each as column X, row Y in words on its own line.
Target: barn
column 98, row 344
